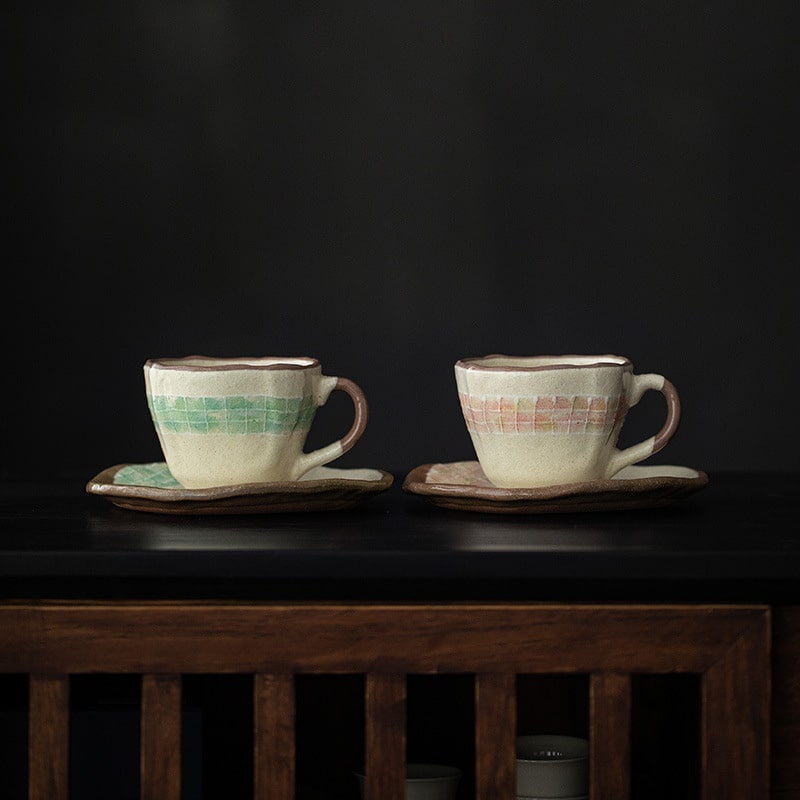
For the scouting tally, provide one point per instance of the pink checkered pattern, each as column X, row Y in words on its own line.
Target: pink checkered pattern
column 546, row 414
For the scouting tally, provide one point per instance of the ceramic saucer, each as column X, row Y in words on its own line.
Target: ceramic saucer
column 151, row 487
column 462, row 485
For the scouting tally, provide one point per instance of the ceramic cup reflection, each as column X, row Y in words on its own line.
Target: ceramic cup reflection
column 552, row 766
column 547, row 420
column 425, row 782
column 226, row 421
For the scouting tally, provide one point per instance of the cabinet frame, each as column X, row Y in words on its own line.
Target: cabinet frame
column 728, row 646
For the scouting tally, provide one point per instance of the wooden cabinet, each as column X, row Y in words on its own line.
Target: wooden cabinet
column 671, row 639
column 499, row 654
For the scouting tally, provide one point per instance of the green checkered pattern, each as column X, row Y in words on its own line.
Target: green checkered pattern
column 156, row 475
column 237, row 415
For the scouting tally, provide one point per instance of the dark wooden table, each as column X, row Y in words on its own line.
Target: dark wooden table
column 736, row 540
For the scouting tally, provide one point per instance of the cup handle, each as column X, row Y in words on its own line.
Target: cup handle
column 325, row 455
column 638, row 452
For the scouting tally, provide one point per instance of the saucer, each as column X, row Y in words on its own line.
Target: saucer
column 151, row 487
column 461, row 485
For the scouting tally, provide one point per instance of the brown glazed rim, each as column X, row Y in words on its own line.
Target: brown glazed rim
column 477, row 363
column 231, row 363
column 416, row 482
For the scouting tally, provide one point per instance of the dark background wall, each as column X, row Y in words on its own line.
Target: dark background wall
column 392, row 186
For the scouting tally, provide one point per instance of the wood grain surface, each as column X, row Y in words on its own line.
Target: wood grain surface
column 48, row 738
column 728, row 646
column 161, row 737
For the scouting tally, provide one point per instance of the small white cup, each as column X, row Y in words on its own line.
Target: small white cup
column 551, row 766
column 426, row 782
column 227, row 421
column 548, row 420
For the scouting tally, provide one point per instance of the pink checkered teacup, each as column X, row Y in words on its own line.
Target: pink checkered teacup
column 548, row 420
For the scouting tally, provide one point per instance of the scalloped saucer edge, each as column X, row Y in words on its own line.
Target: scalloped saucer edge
column 151, row 487
column 461, row 485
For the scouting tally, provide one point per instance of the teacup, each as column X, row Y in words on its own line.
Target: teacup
column 425, row 782
column 552, row 766
column 226, row 421
column 548, row 420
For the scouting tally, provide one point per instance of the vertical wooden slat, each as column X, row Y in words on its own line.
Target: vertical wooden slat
column 385, row 736
column 274, row 740
column 610, row 735
column 735, row 720
column 785, row 702
column 495, row 733
column 160, row 759
column 48, row 738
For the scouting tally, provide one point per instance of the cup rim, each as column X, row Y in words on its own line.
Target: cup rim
column 578, row 746
column 567, row 361
column 199, row 363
